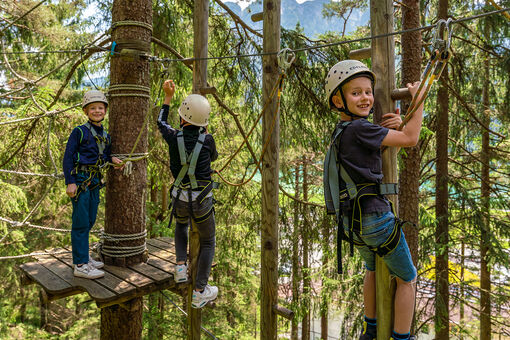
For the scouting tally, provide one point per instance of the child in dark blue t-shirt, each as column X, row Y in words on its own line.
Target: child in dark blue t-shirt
column 88, row 148
column 349, row 89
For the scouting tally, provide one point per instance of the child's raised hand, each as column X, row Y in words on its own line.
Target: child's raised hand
column 392, row 120
column 413, row 88
column 169, row 88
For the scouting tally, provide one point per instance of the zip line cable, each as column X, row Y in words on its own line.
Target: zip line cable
column 377, row 36
column 428, row 27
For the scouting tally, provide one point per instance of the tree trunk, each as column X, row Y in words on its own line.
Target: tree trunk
column 125, row 195
column 442, row 314
column 307, row 291
column 122, row 322
column 324, row 307
column 485, row 275
column 295, row 259
column 270, row 166
column 410, row 172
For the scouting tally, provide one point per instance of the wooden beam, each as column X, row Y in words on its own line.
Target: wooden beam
column 200, row 40
column 270, row 167
column 257, row 17
column 363, row 53
column 284, row 312
column 383, row 64
column 399, row 94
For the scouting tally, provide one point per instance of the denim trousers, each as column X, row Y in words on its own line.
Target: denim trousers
column 84, row 216
column 376, row 228
column 206, row 231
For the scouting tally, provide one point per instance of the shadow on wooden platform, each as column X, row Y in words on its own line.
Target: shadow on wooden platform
column 54, row 273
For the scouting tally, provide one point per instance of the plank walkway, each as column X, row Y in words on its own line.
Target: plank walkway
column 54, row 273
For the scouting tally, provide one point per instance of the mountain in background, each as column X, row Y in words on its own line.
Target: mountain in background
column 308, row 14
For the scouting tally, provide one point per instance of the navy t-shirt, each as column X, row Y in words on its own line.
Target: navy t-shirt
column 360, row 153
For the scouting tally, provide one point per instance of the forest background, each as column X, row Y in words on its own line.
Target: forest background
column 58, row 67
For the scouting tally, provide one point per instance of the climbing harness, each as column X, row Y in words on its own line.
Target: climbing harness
column 285, row 59
column 94, row 170
column 437, row 62
column 352, row 193
column 188, row 167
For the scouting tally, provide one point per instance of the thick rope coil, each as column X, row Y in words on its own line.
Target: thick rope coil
column 122, row 251
column 131, row 23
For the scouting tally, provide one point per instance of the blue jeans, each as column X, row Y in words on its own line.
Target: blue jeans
column 207, row 236
column 377, row 227
column 84, row 216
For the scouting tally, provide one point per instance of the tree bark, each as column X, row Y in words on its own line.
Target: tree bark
column 270, row 166
column 305, row 323
column 125, row 195
column 410, row 172
column 442, row 314
column 295, row 259
column 485, row 274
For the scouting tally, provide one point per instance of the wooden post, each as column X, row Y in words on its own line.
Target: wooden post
column 200, row 34
column 126, row 195
column 270, row 167
column 383, row 64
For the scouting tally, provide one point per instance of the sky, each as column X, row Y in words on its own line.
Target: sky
column 245, row 3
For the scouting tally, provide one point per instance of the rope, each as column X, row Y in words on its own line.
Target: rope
column 56, row 175
column 33, row 255
column 258, row 162
column 186, row 314
column 16, row 224
column 129, row 87
column 122, row 251
column 131, row 23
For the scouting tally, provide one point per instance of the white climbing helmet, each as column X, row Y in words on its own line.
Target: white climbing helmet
column 341, row 72
column 195, row 109
column 94, row 96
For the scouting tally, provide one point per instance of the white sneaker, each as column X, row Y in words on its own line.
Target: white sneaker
column 180, row 273
column 87, row 271
column 96, row 264
column 200, row 299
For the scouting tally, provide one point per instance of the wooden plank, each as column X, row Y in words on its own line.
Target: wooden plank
column 51, row 282
column 170, row 242
column 162, row 245
column 153, row 273
column 109, row 281
column 161, row 264
column 129, row 275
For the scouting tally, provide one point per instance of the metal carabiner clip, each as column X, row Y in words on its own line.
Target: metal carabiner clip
column 285, row 58
column 439, row 43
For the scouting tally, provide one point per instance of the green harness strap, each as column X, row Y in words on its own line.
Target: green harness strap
column 188, row 162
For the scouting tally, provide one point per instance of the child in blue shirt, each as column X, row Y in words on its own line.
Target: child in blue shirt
column 349, row 90
column 88, row 149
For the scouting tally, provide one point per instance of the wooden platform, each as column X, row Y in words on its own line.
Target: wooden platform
column 55, row 275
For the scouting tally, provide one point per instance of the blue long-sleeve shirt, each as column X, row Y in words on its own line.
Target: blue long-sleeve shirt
column 82, row 149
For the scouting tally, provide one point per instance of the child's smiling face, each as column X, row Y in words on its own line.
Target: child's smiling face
column 359, row 96
column 95, row 112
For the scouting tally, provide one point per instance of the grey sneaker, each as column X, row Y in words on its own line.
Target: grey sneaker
column 87, row 271
column 96, row 264
column 181, row 273
column 200, row 299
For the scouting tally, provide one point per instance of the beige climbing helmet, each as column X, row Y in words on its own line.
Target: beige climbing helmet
column 342, row 72
column 94, row 96
column 195, row 109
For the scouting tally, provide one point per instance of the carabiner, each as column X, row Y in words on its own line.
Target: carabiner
column 439, row 43
column 285, row 58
